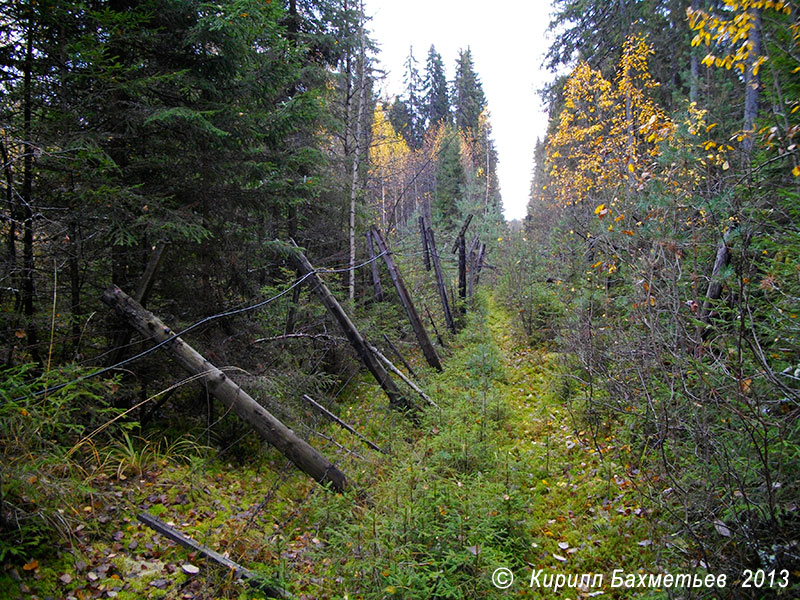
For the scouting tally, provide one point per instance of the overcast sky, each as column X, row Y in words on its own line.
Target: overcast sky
column 508, row 41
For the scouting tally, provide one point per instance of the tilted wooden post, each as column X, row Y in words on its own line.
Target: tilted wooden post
column 437, row 268
column 376, row 278
column 426, row 259
column 479, row 262
column 303, row 455
column 399, row 355
column 396, row 398
column 471, row 264
column 416, row 323
column 461, row 233
column 140, row 295
column 435, row 329
column 462, row 270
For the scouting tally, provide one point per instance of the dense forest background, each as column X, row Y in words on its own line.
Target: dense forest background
column 177, row 149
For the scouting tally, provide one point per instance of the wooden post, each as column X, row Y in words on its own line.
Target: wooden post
column 396, row 398
column 435, row 329
column 332, row 417
column 142, row 293
column 251, row 577
column 426, row 258
column 291, row 314
column 437, row 268
column 405, row 379
column 471, row 257
column 479, row 261
column 222, row 387
column 723, row 258
column 416, row 324
column 376, row 278
column 461, row 233
column 462, row 270
column 400, row 356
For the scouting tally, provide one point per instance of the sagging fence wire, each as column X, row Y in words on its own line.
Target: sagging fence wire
column 221, row 315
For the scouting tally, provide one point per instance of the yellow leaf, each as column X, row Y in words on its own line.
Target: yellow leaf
column 30, row 566
column 726, row 166
column 630, row 167
column 600, row 207
column 796, row 171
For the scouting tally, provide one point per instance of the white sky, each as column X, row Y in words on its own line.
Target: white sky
column 508, row 42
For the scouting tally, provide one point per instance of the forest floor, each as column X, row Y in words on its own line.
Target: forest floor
column 498, row 476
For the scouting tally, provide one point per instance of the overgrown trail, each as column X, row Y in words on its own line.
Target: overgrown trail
column 500, row 478
column 580, row 508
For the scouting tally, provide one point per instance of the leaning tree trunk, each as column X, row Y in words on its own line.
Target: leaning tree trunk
column 305, row 457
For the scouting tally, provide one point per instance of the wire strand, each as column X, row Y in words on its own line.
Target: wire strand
column 194, row 326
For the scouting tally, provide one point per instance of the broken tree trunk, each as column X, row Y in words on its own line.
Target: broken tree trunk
column 437, row 268
column 239, row 572
column 303, row 455
column 376, row 278
column 416, row 323
column 396, row 398
column 426, row 259
column 332, row 417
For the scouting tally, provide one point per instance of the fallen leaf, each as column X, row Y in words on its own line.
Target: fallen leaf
column 645, row 543
column 563, row 545
column 474, row 550
column 722, row 529
column 66, row 579
column 559, row 557
column 30, row 566
column 190, row 569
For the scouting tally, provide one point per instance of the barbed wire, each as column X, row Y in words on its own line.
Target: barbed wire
column 221, row 315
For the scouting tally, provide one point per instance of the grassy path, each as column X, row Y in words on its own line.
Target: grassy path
column 499, row 477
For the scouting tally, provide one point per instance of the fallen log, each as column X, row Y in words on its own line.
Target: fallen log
column 250, row 577
column 297, row 450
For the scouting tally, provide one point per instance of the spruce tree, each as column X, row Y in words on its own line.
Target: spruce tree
column 468, row 96
column 413, row 101
column 436, row 100
column 451, row 181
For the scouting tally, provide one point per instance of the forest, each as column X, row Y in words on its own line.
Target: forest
column 265, row 332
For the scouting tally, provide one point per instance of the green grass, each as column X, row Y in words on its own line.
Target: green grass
column 496, row 476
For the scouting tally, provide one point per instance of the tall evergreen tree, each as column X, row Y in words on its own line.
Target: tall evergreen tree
column 413, row 100
column 436, row 100
column 468, row 98
column 451, row 181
